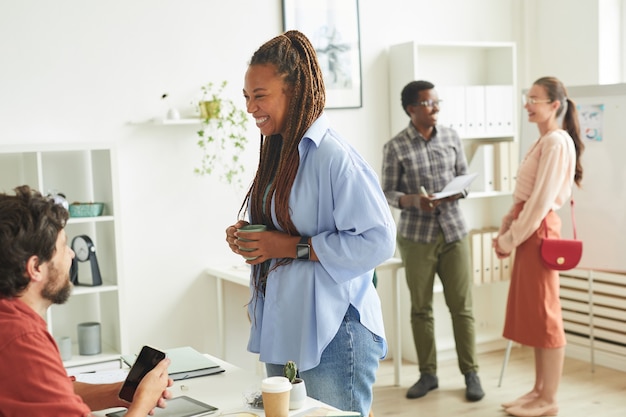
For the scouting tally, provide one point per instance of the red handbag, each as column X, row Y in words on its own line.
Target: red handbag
column 561, row 254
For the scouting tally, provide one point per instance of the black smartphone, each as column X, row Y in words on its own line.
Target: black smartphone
column 145, row 362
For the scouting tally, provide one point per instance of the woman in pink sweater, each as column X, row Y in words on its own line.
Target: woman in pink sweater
column 544, row 183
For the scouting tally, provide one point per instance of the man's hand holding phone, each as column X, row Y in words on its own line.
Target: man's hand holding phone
column 146, row 385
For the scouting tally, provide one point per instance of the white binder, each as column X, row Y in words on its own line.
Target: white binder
column 502, row 167
column 474, row 111
column 483, row 163
column 452, row 109
column 477, row 257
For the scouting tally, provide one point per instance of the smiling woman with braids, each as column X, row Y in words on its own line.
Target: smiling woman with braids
column 328, row 227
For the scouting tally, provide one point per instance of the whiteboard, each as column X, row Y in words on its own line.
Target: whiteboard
column 600, row 205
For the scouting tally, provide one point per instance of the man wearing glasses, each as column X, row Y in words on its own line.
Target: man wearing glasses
column 432, row 234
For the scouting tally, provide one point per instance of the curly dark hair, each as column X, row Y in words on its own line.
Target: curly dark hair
column 29, row 226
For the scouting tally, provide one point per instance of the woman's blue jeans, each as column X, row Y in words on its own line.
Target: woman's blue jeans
column 347, row 370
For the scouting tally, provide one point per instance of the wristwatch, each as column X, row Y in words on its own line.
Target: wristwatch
column 303, row 249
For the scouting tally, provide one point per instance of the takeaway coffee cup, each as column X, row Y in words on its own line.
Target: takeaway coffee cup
column 250, row 228
column 275, row 391
column 89, row 338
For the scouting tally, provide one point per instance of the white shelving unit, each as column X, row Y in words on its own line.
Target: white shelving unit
column 456, row 68
column 452, row 64
column 84, row 174
column 477, row 83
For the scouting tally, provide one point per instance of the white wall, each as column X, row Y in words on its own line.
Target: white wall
column 80, row 71
column 564, row 40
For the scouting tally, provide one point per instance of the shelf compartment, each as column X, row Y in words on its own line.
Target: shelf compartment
column 19, row 168
column 83, row 173
column 82, row 176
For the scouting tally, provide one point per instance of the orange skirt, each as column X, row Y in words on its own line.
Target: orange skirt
column 533, row 311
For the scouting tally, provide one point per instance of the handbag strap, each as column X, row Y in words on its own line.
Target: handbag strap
column 545, row 226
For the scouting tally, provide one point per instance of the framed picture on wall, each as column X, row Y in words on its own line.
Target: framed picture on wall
column 333, row 28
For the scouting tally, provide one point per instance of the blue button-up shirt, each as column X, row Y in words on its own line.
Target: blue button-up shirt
column 337, row 200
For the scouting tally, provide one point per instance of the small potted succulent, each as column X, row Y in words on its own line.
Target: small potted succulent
column 297, row 397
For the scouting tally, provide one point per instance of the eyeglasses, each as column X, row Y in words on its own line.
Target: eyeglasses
column 531, row 100
column 428, row 103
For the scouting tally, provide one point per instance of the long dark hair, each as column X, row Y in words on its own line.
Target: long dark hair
column 295, row 59
column 556, row 92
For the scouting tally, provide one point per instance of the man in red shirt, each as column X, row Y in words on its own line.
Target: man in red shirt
column 34, row 274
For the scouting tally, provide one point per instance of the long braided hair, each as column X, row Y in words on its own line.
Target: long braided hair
column 294, row 58
column 556, row 92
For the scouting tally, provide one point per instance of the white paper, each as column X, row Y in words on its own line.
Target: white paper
column 456, row 186
column 103, row 377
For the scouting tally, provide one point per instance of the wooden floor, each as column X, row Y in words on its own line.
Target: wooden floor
column 581, row 394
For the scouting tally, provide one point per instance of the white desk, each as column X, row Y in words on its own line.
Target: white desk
column 224, row 391
column 393, row 265
column 240, row 275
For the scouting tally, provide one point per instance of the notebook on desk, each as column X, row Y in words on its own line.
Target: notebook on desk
column 186, row 363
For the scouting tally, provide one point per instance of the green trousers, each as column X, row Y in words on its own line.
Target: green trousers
column 451, row 261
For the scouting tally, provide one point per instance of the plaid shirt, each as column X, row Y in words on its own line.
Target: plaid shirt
column 410, row 161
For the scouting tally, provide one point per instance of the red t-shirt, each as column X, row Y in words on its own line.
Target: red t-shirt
column 33, row 381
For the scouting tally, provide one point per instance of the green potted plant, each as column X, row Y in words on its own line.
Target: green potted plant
column 297, row 397
column 222, row 137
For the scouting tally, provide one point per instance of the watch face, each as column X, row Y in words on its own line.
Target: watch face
column 303, row 252
column 80, row 246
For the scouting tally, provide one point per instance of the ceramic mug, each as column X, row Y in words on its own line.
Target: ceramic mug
column 250, row 228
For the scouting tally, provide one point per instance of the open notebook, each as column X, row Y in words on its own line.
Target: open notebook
column 458, row 185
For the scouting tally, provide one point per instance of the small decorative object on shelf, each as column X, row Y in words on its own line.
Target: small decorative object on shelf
column 222, row 137
column 85, row 251
column 86, row 209
column 65, row 347
column 172, row 113
column 209, row 109
column 89, row 338
column 59, row 198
